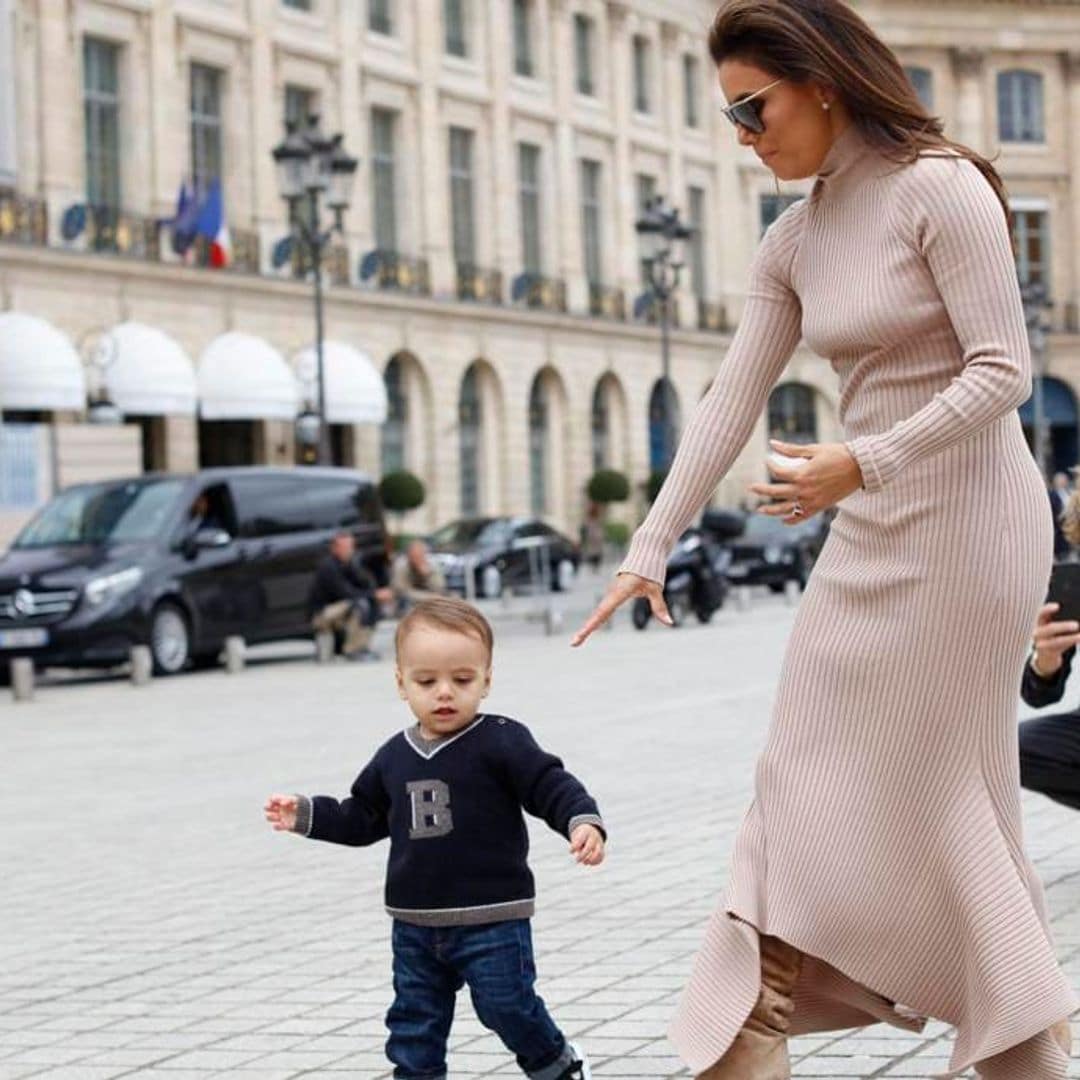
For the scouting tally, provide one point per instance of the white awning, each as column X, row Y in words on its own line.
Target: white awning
column 39, row 367
column 147, row 372
column 355, row 391
column 243, row 377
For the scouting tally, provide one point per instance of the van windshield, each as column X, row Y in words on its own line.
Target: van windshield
column 103, row 514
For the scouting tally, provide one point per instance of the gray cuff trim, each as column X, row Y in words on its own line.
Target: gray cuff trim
column 586, row 819
column 558, row 1067
column 303, row 816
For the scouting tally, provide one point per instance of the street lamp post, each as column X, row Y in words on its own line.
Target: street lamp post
column 310, row 165
column 664, row 238
column 1036, row 304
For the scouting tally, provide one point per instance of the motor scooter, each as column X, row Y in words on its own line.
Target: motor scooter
column 695, row 582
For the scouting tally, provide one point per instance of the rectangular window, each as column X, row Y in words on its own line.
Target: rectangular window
column 380, row 16
column 583, row 54
column 1031, row 234
column 383, row 169
column 641, row 73
column 523, row 61
column 646, row 192
column 299, row 105
column 300, row 5
column 454, row 27
column 922, row 79
column 1020, row 106
column 205, row 125
column 101, row 117
column 529, row 195
column 591, row 230
column 691, row 86
column 772, row 206
column 695, row 199
column 461, row 195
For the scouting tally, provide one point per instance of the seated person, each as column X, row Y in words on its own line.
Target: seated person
column 345, row 598
column 415, row 577
column 206, row 513
column 1050, row 745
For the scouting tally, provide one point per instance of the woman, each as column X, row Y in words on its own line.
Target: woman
column 880, row 872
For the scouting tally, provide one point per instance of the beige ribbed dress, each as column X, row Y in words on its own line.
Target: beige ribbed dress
column 885, row 838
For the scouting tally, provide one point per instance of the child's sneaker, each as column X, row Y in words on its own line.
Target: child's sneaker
column 580, row 1069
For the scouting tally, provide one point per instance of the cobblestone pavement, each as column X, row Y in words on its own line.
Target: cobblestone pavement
column 153, row 925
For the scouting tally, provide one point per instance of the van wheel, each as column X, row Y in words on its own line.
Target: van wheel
column 170, row 639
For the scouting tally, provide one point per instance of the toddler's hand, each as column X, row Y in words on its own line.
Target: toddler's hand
column 280, row 811
column 587, row 845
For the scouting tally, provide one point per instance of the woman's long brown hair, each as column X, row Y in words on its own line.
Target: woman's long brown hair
column 826, row 42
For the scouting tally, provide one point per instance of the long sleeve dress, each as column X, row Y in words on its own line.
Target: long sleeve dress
column 884, row 840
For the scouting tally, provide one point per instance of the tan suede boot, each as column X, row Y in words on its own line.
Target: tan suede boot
column 1062, row 1032
column 759, row 1051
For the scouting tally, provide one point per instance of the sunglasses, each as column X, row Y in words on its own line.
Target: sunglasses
column 746, row 112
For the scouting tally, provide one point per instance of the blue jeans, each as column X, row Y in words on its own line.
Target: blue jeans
column 431, row 963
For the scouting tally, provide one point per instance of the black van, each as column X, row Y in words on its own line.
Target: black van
column 178, row 563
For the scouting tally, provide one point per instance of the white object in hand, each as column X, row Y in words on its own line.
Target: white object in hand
column 783, row 461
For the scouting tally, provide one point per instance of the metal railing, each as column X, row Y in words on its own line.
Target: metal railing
column 23, row 219
column 537, row 291
column 712, row 317
column 476, row 283
column 245, row 251
column 606, row 301
column 120, row 233
column 392, row 270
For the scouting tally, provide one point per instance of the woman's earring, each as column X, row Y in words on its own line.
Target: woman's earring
column 825, row 105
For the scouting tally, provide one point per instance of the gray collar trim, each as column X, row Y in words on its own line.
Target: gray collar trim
column 428, row 748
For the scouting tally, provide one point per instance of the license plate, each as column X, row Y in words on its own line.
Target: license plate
column 737, row 571
column 31, row 638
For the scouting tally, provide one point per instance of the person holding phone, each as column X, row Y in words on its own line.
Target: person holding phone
column 1050, row 745
column 880, row 871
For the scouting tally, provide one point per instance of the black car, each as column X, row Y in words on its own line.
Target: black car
column 768, row 552
column 504, row 553
column 178, row 563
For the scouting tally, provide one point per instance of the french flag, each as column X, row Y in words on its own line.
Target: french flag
column 211, row 224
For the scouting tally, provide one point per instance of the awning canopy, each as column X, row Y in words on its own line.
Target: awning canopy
column 243, row 377
column 355, row 391
column 148, row 373
column 39, row 367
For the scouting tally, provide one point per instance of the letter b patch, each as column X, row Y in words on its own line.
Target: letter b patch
column 431, row 817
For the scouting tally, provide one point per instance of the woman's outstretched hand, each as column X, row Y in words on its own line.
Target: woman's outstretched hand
column 624, row 587
column 830, row 474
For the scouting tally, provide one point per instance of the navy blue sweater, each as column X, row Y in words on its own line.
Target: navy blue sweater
column 452, row 809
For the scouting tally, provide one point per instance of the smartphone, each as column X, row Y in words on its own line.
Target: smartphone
column 785, row 462
column 1065, row 590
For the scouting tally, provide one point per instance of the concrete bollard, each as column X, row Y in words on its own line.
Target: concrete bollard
column 235, row 650
column 142, row 665
column 742, row 597
column 792, row 593
column 22, row 678
column 324, row 646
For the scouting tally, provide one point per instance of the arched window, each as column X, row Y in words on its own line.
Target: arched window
column 663, row 424
column 538, row 446
column 601, row 427
column 394, row 429
column 1020, row 106
column 470, row 421
column 792, row 413
column 923, row 80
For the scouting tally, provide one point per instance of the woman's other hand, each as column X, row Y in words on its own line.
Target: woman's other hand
column 624, row 587
column 830, row 474
column 1051, row 639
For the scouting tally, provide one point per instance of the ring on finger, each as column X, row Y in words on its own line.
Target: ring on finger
column 797, row 510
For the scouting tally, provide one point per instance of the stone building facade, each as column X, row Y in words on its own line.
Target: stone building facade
column 489, row 271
